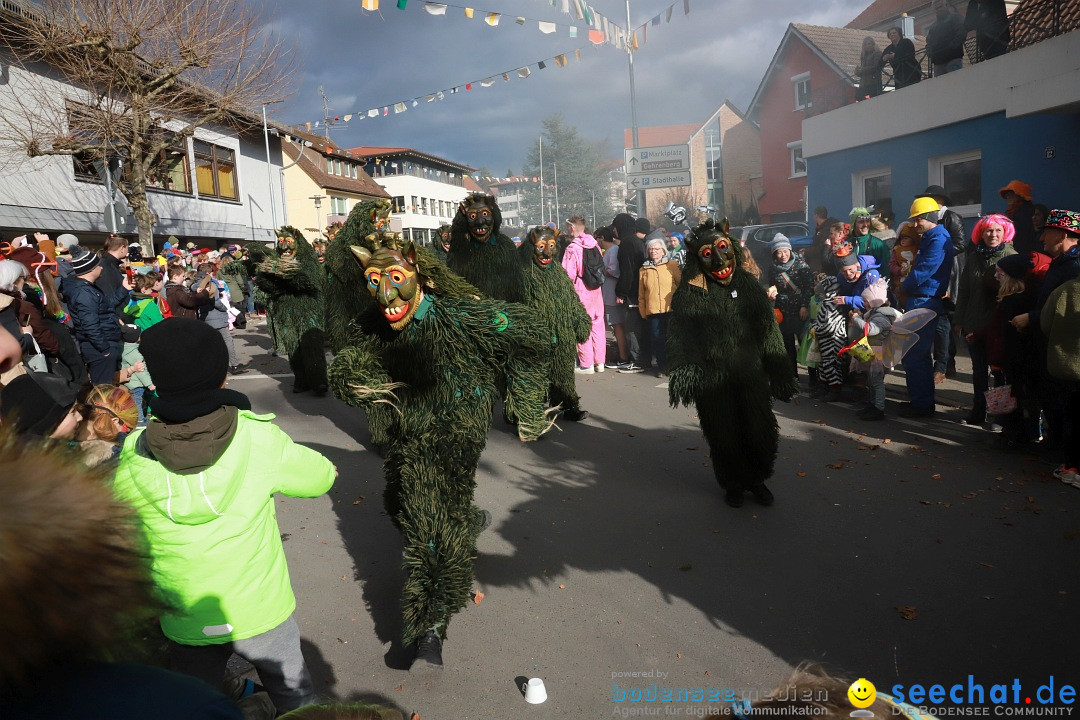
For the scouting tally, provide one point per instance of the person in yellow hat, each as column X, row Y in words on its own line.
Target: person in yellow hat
column 925, row 287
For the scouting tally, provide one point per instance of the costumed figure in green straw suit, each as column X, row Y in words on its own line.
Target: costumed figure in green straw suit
column 434, row 359
column 549, row 291
column 726, row 356
column 294, row 284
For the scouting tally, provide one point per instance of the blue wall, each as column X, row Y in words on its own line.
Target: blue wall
column 1011, row 149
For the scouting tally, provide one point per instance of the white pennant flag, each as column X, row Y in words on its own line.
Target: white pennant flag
column 487, row 82
column 547, row 27
column 524, row 72
column 435, row 8
column 373, row 113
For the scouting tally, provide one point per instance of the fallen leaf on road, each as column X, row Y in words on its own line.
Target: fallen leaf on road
column 562, row 587
column 399, row 688
column 358, row 501
column 986, row 565
column 908, row 612
column 887, row 441
column 325, row 542
column 415, row 716
column 686, row 566
column 693, row 448
column 969, row 495
column 869, row 447
column 630, row 435
column 925, row 502
column 800, row 473
column 935, row 476
column 678, row 656
column 478, row 597
column 836, row 465
column 342, row 577
column 343, row 642
column 708, row 674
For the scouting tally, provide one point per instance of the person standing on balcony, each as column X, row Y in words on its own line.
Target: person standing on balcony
column 900, row 55
column 945, row 39
column 869, row 71
column 990, row 22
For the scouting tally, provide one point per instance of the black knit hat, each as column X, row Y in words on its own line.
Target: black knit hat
column 186, row 357
column 37, row 402
column 849, row 259
column 1016, row 266
column 84, row 262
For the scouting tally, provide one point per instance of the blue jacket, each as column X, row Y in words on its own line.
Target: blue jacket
column 852, row 291
column 94, row 315
column 928, row 280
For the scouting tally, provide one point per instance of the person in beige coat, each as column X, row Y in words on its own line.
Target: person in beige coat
column 658, row 278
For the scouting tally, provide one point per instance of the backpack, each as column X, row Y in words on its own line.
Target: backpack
column 592, row 268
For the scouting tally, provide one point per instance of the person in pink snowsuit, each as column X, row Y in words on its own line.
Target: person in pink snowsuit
column 593, row 352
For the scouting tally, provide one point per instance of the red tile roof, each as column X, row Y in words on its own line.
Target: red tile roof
column 661, row 135
column 371, row 151
column 881, row 11
column 1033, row 20
column 314, row 164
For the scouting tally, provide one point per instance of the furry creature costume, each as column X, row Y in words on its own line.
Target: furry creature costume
column 480, row 254
column 295, row 287
column 435, row 358
column 550, row 293
column 726, row 357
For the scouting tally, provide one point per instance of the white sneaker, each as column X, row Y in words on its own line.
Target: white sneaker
column 599, row 367
column 584, row 371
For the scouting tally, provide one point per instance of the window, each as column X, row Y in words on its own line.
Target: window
column 423, row 206
column 355, row 172
column 802, row 91
column 215, row 171
column 798, row 164
column 961, row 176
column 873, row 187
column 338, row 205
column 415, row 207
column 399, row 203
column 329, row 166
column 337, row 167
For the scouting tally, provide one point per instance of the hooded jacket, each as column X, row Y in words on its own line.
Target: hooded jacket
column 852, row 291
column 204, row 491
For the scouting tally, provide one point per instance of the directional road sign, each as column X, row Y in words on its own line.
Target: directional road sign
column 660, row 158
column 658, row 180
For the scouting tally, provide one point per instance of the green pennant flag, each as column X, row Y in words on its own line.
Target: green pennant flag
column 401, row 4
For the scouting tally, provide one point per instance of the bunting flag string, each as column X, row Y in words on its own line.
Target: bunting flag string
column 560, row 60
column 576, row 9
column 640, row 34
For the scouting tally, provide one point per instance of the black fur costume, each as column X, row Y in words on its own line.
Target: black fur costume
column 480, row 254
column 726, row 356
column 434, row 360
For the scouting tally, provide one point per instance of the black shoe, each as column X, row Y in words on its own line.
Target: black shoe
column 428, row 652
column 872, row 413
column 734, row 498
column 321, row 389
column 298, row 388
column 907, row 410
column 575, row 414
column 762, row 495
column 974, row 418
column 237, row 370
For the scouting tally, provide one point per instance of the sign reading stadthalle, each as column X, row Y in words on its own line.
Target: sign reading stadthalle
column 658, row 180
column 661, row 158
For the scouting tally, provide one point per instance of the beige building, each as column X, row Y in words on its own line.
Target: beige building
column 725, row 163
column 322, row 183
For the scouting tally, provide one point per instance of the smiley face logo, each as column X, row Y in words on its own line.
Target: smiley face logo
column 862, row 693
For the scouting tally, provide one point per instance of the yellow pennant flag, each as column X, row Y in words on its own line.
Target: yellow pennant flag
column 468, row 12
column 369, row 4
column 492, row 19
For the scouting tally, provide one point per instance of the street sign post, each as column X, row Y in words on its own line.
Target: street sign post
column 658, row 180
column 659, row 158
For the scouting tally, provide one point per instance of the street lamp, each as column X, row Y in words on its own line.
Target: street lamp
column 318, row 212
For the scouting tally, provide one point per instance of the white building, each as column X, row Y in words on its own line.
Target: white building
column 510, row 193
column 216, row 189
column 426, row 190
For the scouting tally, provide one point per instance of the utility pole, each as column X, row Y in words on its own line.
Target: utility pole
column 555, row 168
column 325, row 115
column 642, row 212
column 541, row 178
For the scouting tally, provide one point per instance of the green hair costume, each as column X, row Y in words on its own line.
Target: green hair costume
column 727, row 357
column 480, row 254
column 295, row 288
column 549, row 291
column 434, row 359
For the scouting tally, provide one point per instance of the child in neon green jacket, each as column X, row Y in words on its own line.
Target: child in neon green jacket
column 202, row 478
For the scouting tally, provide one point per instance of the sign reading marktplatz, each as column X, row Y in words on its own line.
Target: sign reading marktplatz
column 660, row 166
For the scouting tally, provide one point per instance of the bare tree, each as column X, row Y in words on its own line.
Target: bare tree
column 137, row 77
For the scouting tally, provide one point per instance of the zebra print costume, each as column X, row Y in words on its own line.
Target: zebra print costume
column 830, row 328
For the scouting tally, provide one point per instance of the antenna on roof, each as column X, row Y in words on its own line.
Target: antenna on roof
column 326, row 114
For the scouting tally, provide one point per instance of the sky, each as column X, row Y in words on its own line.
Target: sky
column 683, row 72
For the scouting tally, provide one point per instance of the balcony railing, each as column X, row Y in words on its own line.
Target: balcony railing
column 1032, row 22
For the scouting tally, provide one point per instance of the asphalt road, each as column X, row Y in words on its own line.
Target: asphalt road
column 899, row 551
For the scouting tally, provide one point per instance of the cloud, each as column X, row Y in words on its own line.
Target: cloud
column 685, row 69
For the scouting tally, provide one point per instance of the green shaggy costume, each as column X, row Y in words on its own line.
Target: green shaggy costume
column 346, row 298
column 295, row 288
column 549, row 291
column 726, row 356
column 434, row 359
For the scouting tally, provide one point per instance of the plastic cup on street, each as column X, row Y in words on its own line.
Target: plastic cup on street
column 534, row 691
